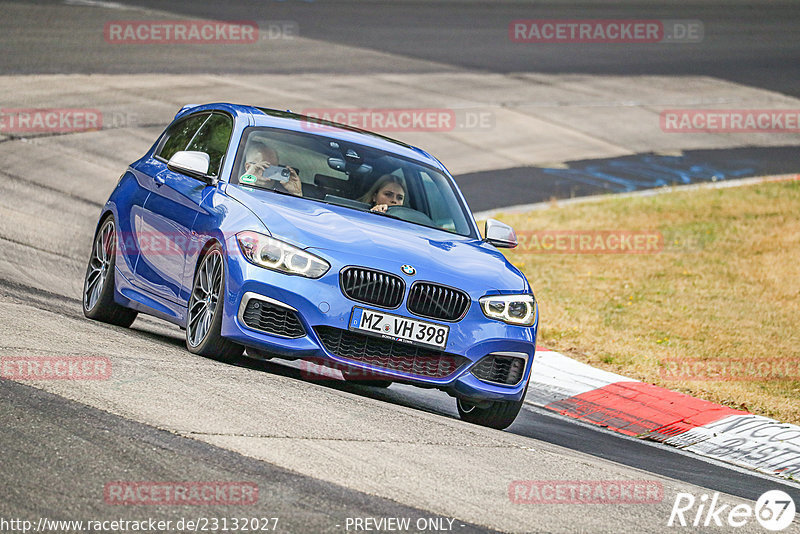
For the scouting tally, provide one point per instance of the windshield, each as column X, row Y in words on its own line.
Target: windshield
column 327, row 169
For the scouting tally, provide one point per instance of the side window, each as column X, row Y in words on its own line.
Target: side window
column 180, row 134
column 212, row 138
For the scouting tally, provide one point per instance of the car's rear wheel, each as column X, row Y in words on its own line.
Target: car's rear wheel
column 494, row 414
column 206, row 308
column 98, row 284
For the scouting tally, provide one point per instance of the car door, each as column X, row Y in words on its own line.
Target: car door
column 174, row 203
column 139, row 237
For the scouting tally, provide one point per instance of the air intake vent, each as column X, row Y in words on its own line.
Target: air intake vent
column 277, row 320
column 372, row 287
column 500, row 369
column 392, row 355
column 437, row 302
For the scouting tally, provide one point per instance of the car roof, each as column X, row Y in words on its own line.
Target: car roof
column 289, row 120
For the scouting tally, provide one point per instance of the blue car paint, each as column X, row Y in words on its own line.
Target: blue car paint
column 200, row 214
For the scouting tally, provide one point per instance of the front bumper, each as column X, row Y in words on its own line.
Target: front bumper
column 320, row 303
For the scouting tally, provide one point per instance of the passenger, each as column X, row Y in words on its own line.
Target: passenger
column 388, row 190
column 258, row 158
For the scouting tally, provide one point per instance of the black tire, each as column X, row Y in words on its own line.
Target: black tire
column 98, row 283
column 205, row 310
column 495, row 414
column 366, row 381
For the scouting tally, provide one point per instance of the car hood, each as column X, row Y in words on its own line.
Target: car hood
column 362, row 238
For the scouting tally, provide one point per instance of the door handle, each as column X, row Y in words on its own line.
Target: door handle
column 159, row 180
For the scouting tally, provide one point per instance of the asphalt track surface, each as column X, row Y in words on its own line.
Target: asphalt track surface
column 71, row 463
column 752, row 44
column 747, row 42
column 173, row 416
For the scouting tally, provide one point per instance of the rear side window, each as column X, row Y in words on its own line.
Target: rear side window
column 180, row 134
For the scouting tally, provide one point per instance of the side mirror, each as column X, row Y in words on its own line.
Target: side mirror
column 191, row 163
column 500, row 234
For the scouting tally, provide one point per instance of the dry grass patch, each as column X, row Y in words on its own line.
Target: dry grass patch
column 725, row 289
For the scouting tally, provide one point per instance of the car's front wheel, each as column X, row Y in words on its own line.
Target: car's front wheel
column 206, row 307
column 494, row 414
column 98, row 284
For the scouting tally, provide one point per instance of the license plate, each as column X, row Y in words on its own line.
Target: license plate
column 396, row 328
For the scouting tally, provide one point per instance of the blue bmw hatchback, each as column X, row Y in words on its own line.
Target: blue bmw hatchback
column 298, row 238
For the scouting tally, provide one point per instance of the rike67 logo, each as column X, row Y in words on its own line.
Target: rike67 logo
column 774, row 510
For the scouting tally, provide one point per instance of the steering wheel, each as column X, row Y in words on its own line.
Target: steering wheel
column 409, row 214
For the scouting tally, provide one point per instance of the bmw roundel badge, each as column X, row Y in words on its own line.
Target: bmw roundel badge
column 409, row 270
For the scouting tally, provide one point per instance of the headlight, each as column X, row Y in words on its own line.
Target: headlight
column 270, row 253
column 512, row 309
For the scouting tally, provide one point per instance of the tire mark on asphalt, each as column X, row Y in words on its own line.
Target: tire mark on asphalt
column 350, row 440
column 39, row 249
column 50, row 188
column 71, row 308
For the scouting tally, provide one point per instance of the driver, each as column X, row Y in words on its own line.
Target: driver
column 388, row 190
column 260, row 157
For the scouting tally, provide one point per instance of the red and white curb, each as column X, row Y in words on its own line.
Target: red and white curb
column 642, row 410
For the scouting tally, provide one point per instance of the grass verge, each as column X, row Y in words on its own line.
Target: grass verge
column 712, row 309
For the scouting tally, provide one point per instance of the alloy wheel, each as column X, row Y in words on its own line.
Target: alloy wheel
column 204, row 299
column 99, row 264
